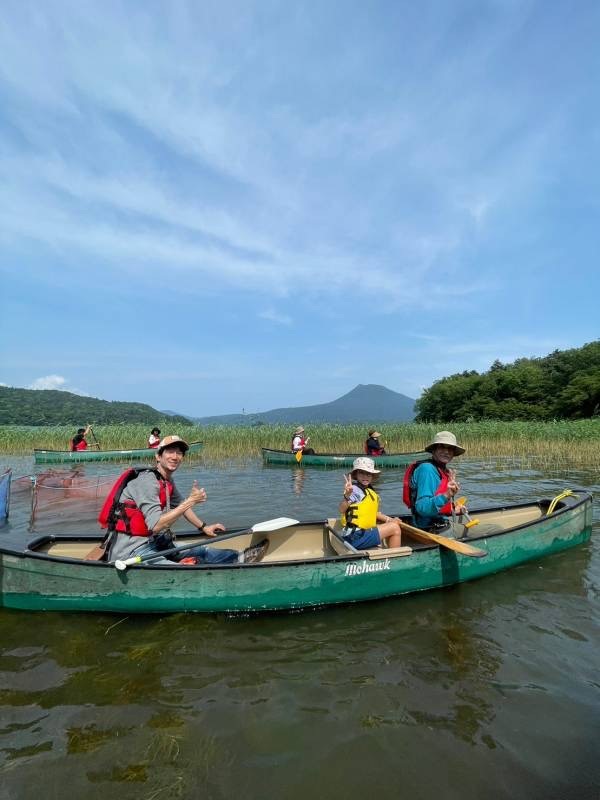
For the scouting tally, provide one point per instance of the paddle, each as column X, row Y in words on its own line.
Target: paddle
column 298, row 456
column 96, row 442
column 260, row 527
column 444, row 541
column 462, row 501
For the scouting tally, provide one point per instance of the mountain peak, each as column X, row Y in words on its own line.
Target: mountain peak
column 368, row 403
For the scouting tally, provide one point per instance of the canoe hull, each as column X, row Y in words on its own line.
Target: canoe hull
column 35, row 581
column 345, row 460
column 136, row 454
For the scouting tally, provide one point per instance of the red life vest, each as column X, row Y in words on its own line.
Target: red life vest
column 409, row 493
column 126, row 517
column 302, row 443
column 153, row 444
column 82, row 445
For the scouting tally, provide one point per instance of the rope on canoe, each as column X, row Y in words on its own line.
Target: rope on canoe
column 557, row 499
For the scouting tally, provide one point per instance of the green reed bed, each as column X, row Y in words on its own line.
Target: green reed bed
column 577, row 441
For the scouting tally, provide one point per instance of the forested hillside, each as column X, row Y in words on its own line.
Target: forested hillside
column 562, row 385
column 51, row 407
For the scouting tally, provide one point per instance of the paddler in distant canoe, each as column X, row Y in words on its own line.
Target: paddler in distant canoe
column 299, row 442
column 154, row 438
column 78, row 442
column 373, row 445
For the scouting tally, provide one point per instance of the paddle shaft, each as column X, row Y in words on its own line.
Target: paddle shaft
column 260, row 527
column 96, row 442
column 444, row 541
column 182, row 548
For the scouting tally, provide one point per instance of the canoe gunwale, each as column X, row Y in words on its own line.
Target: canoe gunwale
column 568, row 504
column 346, row 455
column 43, row 455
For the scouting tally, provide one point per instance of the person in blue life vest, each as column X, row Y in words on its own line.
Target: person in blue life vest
column 364, row 525
column 430, row 488
column 145, row 503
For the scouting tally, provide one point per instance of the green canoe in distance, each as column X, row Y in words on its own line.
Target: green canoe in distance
column 91, row 454
column 305, row 566
column 340, row 459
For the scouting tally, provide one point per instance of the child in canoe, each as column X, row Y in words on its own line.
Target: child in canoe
column 364, row 525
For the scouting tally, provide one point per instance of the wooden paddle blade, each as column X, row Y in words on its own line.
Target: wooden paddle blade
column 97, row 554
column 444, row 541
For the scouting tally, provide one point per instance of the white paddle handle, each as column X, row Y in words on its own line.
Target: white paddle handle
column 121, row 565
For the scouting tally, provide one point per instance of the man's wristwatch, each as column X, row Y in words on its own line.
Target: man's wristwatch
column 201, row 527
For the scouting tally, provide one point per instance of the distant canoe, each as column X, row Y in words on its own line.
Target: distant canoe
column 306, row 565
column 340, row 459
column 91, row 454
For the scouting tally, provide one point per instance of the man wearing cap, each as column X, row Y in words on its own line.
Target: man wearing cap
column 364, row 525
column 373, row 447
column 147, row 505
column 432, row 487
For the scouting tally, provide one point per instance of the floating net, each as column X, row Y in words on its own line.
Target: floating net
column 5, row 480
column 64, row 496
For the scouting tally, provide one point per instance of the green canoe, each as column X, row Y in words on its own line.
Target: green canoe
column 91, row 454
column 305, row 566
column 340, row 459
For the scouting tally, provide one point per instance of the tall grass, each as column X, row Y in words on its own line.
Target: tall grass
column 574, row 441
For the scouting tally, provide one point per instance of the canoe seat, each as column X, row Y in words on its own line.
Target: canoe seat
column 343, row 548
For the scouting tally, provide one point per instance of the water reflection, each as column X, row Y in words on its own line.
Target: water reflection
column 299, row 477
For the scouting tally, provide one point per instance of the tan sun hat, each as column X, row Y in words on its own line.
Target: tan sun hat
column 376, row 434
column 447, row 438
column 168, row 441
column 366, row 464
column 299, row 429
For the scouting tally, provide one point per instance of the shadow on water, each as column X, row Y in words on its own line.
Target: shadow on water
column 488, row 689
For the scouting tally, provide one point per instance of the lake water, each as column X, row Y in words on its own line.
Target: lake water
column 485, row 690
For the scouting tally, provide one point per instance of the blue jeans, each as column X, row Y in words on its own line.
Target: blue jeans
column 210, row 555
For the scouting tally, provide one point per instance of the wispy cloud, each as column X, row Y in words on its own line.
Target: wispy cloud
column 274, row 316
column 48, row 382
column 399, row 186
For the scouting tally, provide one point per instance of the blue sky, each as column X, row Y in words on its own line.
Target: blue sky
column 216, row 206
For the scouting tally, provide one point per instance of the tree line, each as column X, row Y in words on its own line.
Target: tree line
column 53, row 407
column 562, row 385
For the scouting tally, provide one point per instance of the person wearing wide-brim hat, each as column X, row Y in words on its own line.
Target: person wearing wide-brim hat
column 299, row 442
column 432, row 486
column 363, row 524
column 373, row 445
